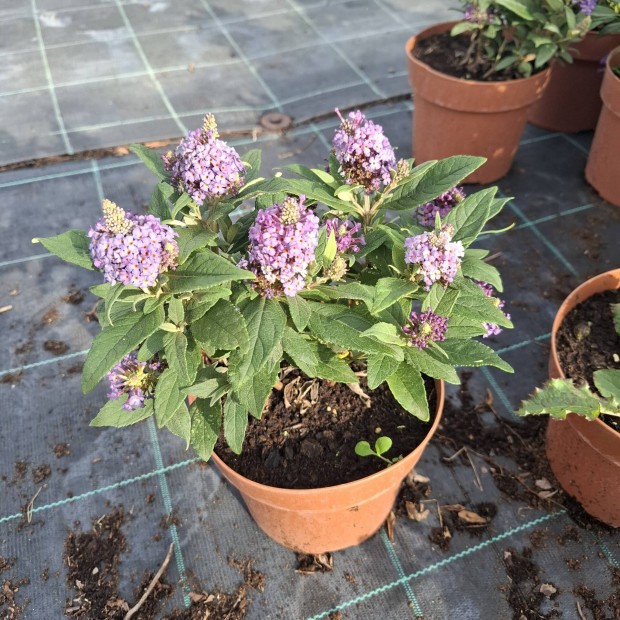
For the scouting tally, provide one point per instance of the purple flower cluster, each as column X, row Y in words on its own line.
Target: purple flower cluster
column 282, row 243
column 132, row 249
column 491, row 328
column 586, row 6
column 474, row 14
column 344, row 232
column 134, row 378
column 443, row 204
column 204, row 166
column 438, row 257
column 364, row 153
column 425, row 328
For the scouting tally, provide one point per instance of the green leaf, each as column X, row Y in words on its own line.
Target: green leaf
column 203, row 270
column 379, row 368
column 168, row 396
column 382, row 445
column 235, row 423
column 470, row 215
column 113, row 414
column 607, row 382
column 299, row 310
column 407, row 386
column 472, row 303
column 329, row 253
column 182, row 355
column 480, row 270
column 208, row 381
column 315, row 359
column 112, row 343
column 385, row 332
column 517, row 7
column 252, row 161
column 362, row 448
column 388, row 291
column 151, row 158
column 202, row 302
column 265, row 321
column 440, row 300
column 254, row 393
column 460, row 328
column 180, row 424
column 151, row 346
column 71, row 246
column 176, row 312
column 544, row 54
column 473, row 354
column 158, row 203
column 431, row 179
column 560, row 397
column 193, row 238
column 222, row 327
column 206, row 422
column 432, row 365
column 615, row 311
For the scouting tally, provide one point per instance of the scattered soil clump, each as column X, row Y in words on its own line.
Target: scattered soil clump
column 61, row 449
column 57, row 347
column 41, row 473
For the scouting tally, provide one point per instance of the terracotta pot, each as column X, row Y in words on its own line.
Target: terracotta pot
column 603, row 167
column 585, row 455
column 572, row 102
column 329, row 518
column 453, row 116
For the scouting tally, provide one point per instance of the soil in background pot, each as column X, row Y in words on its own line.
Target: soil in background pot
column 587, row 341
column 445, row 54
column 306, row 437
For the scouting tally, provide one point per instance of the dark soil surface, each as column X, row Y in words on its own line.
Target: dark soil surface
column 307, row 435
column 587, row 341
column 446, row 54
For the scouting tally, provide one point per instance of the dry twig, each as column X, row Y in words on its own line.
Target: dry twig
column 31, row 505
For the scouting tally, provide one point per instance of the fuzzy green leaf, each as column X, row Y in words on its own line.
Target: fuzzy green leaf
column 222, row 327
column 470, row 215
column 388, row 291
column 158, row 203
column 193, row 238
column 480, row 270
column 471, row 353
column 180, row 424
column 382, row 445
column 607, row 382
column 203, row 270
column 432, row 365
column 235, row 423
column 206, row 422
column 299, row 310
column 407, row 386
column 113, row 414
column 151, row 158
column 362, row 448
column 112, row 343
column 71, row 246
column 252, row 161
column 379, row 368
column 168, row 397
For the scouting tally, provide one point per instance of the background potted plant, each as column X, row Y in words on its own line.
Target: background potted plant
column 571, row 101
column 473, row 81
column 583, row 436
column 358, row 280
column 602, row 165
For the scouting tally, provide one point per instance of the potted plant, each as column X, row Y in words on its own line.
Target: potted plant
column 602, row 164
column 473, row 81
column 571, row 101
column 327, row 289
column 583, row 397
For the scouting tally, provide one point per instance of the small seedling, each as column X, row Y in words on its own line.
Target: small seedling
column 382, row 445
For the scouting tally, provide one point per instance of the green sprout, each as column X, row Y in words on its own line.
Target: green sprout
column 382, row 445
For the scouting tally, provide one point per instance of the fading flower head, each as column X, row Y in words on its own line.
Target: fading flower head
column 443, row 204
column 364, row 153
column 282, row 243
column 437, row 256
column 134, row 378
column 205, row 166
column 345, row 232
column 491, row 329
column 132, row 249
column 424, row 328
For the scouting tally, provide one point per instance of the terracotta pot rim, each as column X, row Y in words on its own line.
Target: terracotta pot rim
column 252, row 485
column 449, row 78
column 567, row 305
column 612, row 56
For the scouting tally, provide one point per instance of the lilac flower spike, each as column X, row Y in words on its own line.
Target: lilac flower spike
column 425, row 328
column 134, row 378
column 364, row 153
column 282, row 243
column 491, row 328
column 132, row 249
column 443, row 204
column 204, row 166
column 438, row 257
column 586, row 6
column 344, row 232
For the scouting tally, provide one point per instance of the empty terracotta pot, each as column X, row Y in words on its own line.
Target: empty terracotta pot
column 329, row 518
column 572, row 101
column 603, row 167
column 454, row 116
column 585, row 455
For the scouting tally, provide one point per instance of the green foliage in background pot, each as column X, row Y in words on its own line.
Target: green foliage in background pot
column 519, row 36
column 231, row 276
column 606, row 17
